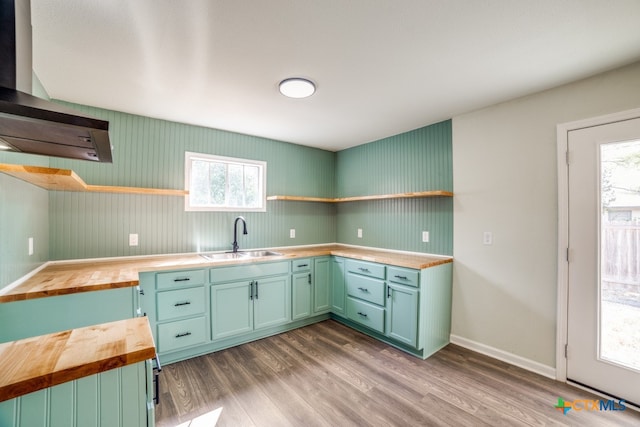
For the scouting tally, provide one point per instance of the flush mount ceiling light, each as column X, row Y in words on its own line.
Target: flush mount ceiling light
column 297, row 87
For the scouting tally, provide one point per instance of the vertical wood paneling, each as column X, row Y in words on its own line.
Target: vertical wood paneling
column 23, row 213
column 150, row 153
column 413, row 161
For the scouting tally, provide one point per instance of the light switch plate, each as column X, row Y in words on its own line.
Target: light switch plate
column 487, row 238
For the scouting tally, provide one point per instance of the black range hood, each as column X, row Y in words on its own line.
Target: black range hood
column 30, row 124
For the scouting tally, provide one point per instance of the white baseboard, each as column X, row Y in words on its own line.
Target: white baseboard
column 513, row 359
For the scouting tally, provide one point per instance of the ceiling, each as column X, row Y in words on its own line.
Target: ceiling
column 382, row 67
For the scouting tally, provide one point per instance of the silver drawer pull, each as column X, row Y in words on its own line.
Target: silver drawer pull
column 363, row 314
column 182, row 279
column 364, row 290
column 184, row 334
column 178, row 304
column 303, row 265
column 366, row 270
column 401, row 277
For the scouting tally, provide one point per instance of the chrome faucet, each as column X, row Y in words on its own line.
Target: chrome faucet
column 235, row 232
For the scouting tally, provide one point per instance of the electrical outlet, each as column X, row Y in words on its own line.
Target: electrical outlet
column 30, row 246
column 425, row 236
column 487, row 238
column 359, row 233
column 133, row 239
column 292, row 233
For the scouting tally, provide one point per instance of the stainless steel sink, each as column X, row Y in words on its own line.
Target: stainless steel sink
column 257, row 254
column 238, row 255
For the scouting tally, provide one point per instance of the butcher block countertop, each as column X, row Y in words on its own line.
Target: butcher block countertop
column 65, row 278
column 35, row 363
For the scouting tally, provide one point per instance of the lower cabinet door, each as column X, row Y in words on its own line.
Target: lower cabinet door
column 301, row 296
column 231, row 309
column 338, row 290
column 322, row 285
column 402, row 314
column 366, row 314
column 272, row 302
column 182, row 333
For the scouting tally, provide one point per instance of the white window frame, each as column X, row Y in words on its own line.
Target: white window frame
column 190, row 156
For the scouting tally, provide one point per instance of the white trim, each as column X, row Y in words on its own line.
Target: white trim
column 513, row 359
column 24, row 278
column 562, row 135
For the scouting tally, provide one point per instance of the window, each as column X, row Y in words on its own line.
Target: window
column 218, row 183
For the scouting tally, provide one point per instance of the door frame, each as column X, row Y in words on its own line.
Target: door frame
column 562, row 134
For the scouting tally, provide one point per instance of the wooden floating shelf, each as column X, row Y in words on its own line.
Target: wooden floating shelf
column 68, row 180
column 414, row 195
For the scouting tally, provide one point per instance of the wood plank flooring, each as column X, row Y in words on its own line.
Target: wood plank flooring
column 330, row 375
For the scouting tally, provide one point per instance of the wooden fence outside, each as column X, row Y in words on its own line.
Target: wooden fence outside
column 621, row 253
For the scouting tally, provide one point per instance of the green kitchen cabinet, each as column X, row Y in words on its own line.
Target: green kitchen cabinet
column 39, row 316
column 232, row 309
column 301, row 289
column 402, row 314
column 121, row 397
column 321, row 285
column 260, row 299
column 176, row 304
column 337, row 287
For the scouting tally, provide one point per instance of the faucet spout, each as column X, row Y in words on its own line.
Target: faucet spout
column 235, row 232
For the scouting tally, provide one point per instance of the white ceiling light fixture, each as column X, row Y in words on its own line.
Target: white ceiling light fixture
column 297, row 87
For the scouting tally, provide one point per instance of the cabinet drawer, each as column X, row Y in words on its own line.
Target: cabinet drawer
column 303, row 264
column 366, row 314
column 183, row 333
column 180, row 278
column 248, row 271
column 366, row 288
column 367, row 268
column 405, row 276
column 180, row 303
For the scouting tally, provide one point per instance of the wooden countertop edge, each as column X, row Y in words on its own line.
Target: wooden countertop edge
column 371, row 255
column 56, row 377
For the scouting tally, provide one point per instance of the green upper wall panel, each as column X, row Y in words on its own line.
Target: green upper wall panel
column 418, row 160
column 150, row 153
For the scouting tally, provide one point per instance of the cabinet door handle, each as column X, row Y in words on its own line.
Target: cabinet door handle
column 178, row 304
column 309, row 278
column 184, row 334
column 303, row 265
column 364, row 290
column 256, row 289
column 400, row 277
column 251, row 290
column 363, row 314
column 182, row 279
column 388, row 291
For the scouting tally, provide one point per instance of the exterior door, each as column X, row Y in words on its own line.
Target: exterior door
column 603, row 323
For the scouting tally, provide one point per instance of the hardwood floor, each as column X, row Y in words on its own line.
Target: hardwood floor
column 330, row 375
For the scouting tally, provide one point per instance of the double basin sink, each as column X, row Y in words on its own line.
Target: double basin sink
column 239, row 255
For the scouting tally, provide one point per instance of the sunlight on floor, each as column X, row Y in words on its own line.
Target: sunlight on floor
column 207, row 420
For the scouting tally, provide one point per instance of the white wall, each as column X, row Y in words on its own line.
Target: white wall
column 505, row 181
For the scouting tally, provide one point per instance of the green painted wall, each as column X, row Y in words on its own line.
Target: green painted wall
column 24, row 211
column 150, row 153
column 418, row 160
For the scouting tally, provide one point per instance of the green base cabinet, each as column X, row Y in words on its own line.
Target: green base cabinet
column 407, row 308
column 249, row 297
column 301, row 289
column 321, row 285
column 115, row 398
column 337, row 287
column 66, row 312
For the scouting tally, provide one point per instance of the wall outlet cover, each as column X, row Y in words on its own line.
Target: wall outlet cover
column 30, row 246
column 359, row 233
column 133, row 239
column 425, row 236
column 292, row 233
